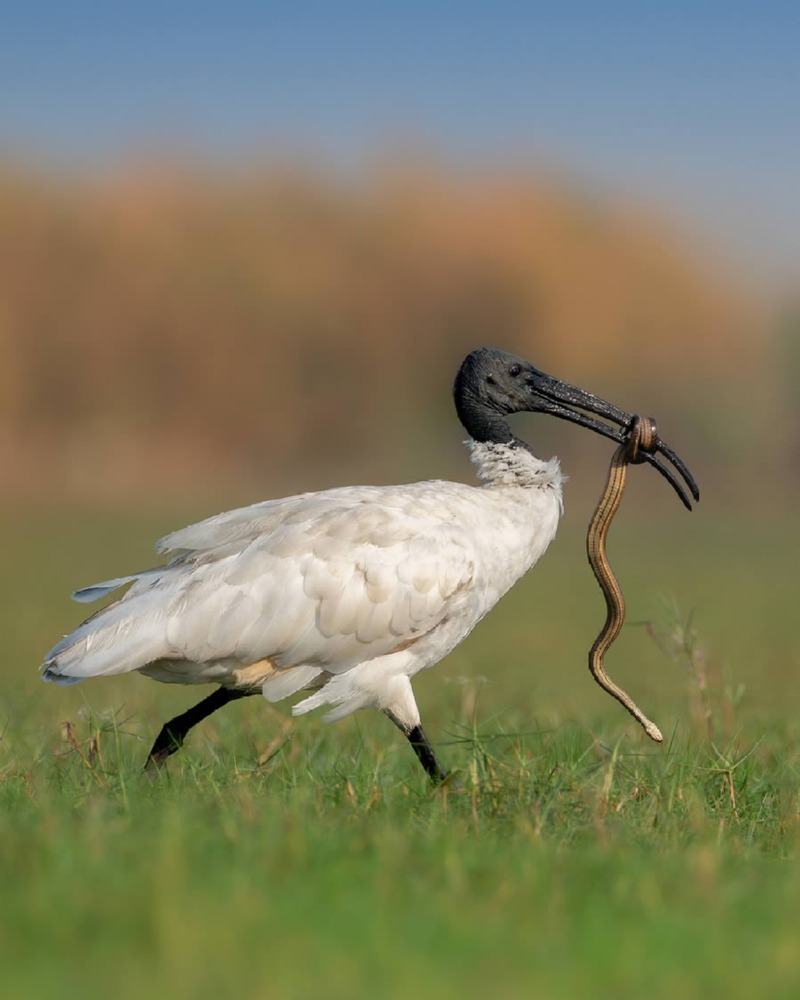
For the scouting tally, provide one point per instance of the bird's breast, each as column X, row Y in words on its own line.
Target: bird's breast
column 518, row 525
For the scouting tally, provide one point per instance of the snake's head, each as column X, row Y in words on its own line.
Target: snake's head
column 503, row 383
column 642, row 440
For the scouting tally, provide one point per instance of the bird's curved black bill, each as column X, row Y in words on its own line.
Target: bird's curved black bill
column 568, row 402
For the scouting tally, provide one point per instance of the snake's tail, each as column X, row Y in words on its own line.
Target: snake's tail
column 652, row 730
column 605, row 682
column 648, row 725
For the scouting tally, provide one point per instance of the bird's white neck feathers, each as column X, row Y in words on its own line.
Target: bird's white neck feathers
column 514, row 465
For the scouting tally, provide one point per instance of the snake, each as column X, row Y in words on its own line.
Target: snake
column 642, row 439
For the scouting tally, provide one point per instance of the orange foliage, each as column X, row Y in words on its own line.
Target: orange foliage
column 196, row 325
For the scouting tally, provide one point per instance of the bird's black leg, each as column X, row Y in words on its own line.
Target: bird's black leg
column 173, row 733
column 426, row 755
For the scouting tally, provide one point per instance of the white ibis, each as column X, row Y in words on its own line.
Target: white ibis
column 346, row 594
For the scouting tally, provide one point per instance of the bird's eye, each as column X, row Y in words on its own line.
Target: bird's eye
column 514, row 370
column 490, row 380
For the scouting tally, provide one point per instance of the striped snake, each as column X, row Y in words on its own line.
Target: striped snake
column 643, row 439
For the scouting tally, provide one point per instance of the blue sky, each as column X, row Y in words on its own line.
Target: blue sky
column 692, row 106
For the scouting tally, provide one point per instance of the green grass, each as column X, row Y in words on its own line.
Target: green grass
column 568, row 857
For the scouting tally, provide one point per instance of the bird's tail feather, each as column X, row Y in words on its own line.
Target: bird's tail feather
column 118, row 639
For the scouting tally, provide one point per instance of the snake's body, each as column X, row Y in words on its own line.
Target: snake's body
column 643, row 438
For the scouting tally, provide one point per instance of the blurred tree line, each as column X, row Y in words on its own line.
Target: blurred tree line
column 168, row 330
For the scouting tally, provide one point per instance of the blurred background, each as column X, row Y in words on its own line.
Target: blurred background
column 244, row 247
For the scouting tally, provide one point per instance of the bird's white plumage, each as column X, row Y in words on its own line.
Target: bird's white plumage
column 347, row 593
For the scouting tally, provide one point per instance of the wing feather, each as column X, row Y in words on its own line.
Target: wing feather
column 327, row 594
column 323, row 581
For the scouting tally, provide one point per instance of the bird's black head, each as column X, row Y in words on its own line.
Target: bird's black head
column 491, row 384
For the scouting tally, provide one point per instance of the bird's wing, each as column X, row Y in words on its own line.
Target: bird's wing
column 221, row 536
column 326, row 589
column 232, row 528
column 321, row 581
